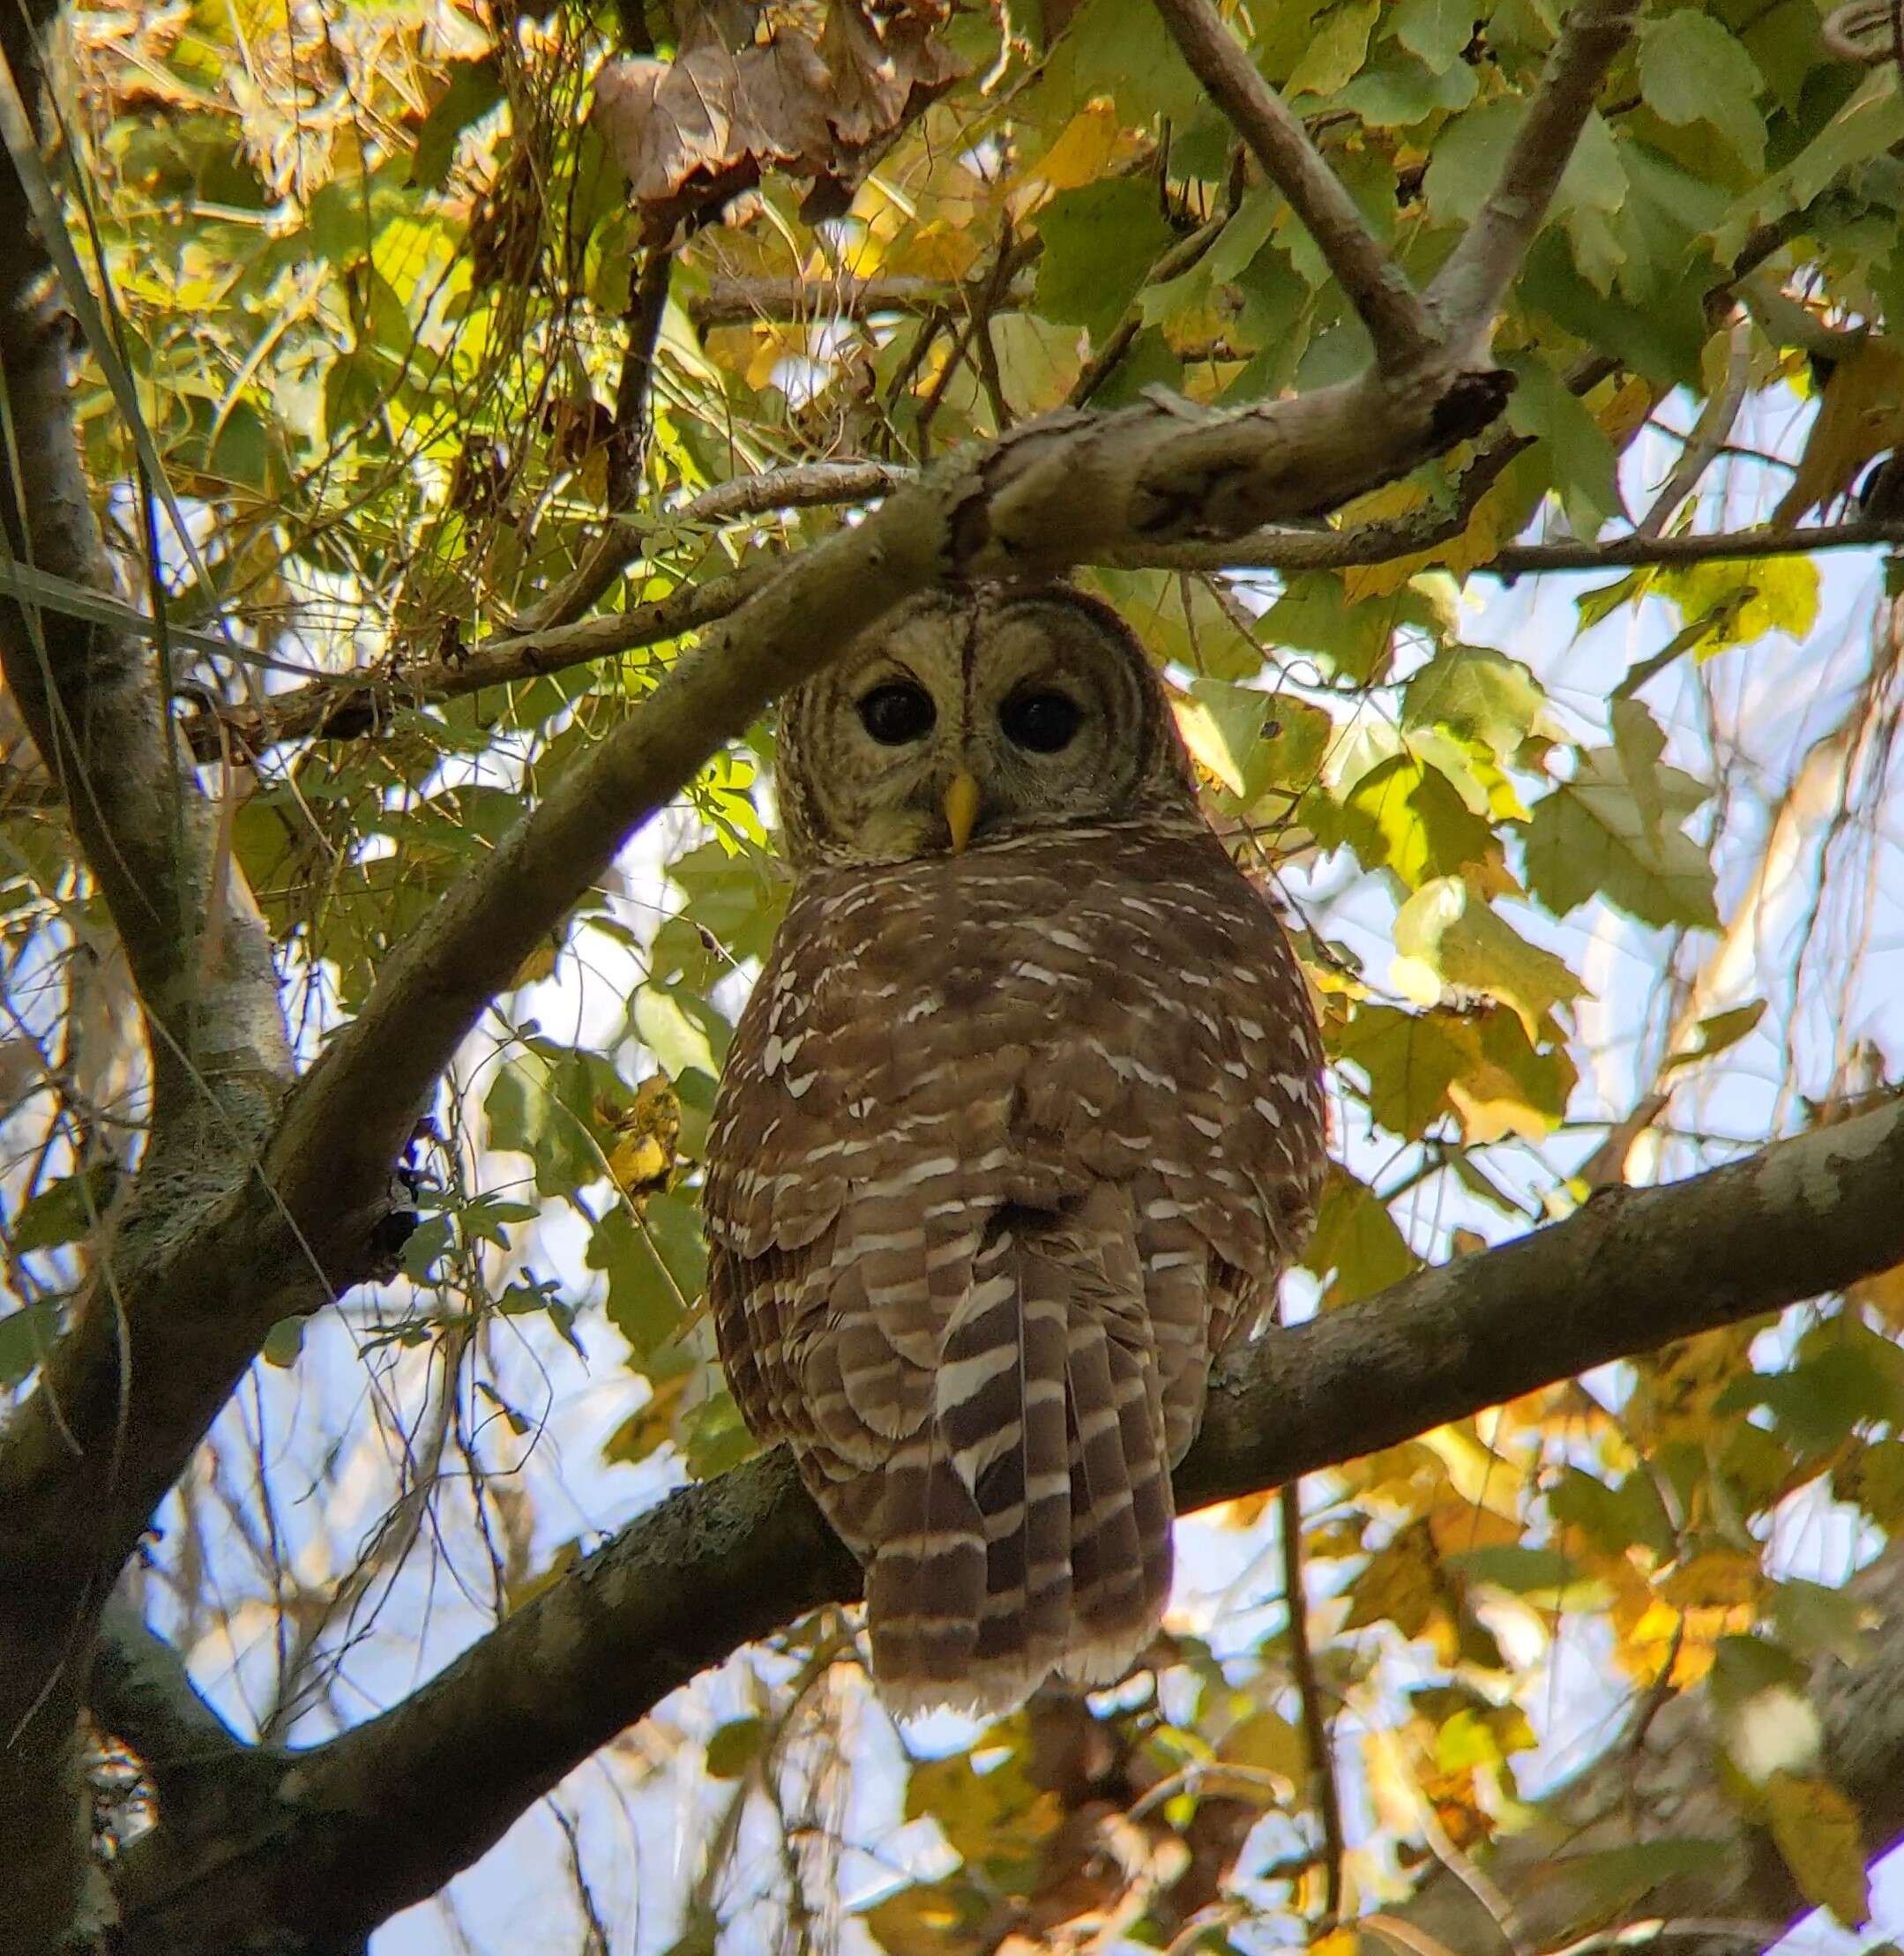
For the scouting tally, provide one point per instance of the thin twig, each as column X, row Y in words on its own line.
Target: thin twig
column 742, row 302
column 1173, row 264
column 1709, row 436
column 647, row 304
column 1321, row 1787
column 809, row 485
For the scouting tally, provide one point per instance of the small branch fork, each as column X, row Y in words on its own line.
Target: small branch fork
column 276, row 1210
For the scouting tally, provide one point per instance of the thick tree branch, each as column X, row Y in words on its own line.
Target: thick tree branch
column 398, row 1804
column 1397, row 322
column 99, row 1426
column 142, row 1694
column 356, row 704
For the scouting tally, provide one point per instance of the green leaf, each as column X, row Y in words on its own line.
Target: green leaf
column 475, row 88
column 1517, row 1568
column 1396, row 91
column 684, row 1034
column 1813, row 1620
column 1613, row 832
column 1314, row 615
column 1867, row 125
column 1481, row 693
column 1692, row 71
column 1467, row 160
column 66, row 1210
column 656, row 1263
column 733, row 1747
column 1436, row 30
column 1447, row 937
column 1122, row 48
column 26, row 1336
column 1409, row 1058
column 1099, row 243
column 1615, row 1880
column 1357, row 1249
column 1335, row 49
column 1825, row 1397
column 534, row 1108
column 1614, row 1518
column 1585, row 466
column 1407, row 815
column 717, row 1438
column 1713, row 1034
column 1252, row 741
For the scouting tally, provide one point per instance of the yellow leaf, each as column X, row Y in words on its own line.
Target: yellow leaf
column 1494, row 516
column 641, row 1161
column 918, row 1921
column 1492, row 1105
column 935, row 250
column 1882, row 1294
column 516, row 1594
column 537, row 965
column 1265, row 1742
column 1818, row 1833
column 773, row 344
column 1083, row 150
column 1862, row 416
column 1720, row 1579
column 1622, row 410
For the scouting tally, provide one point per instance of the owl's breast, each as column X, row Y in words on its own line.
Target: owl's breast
column 1021, row 1020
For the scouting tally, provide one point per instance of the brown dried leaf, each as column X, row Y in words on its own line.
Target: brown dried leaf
column 1862, row 416
column 822, row 102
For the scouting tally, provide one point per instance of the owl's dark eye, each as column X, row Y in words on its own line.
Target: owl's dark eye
column 898, row 711
column 1041, row 720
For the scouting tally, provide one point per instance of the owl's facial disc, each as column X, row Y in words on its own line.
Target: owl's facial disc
column 969, row 719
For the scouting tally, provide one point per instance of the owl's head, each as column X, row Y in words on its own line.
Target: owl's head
column 969, row 717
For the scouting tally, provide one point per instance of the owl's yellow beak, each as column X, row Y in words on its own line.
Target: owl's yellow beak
column 962, row 808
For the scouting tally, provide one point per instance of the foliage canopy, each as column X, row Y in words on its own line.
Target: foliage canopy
column 433, row 448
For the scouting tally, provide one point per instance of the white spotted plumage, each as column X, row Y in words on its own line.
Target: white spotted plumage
column 1056, row 1130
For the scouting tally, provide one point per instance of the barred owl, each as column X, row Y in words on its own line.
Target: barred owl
column 1018, row 1128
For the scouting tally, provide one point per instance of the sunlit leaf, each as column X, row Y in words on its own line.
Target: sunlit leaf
column 1819, row 1835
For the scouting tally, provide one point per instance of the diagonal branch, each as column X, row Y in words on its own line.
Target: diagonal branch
column 1400, row 326
column 801, row 486
column 1468, row 289
column 383, row 1815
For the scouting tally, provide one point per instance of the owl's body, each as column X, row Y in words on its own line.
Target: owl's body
column 1012, row 1138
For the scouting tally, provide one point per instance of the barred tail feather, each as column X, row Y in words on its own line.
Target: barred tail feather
column 1038, row 1498
column 926, row 1584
